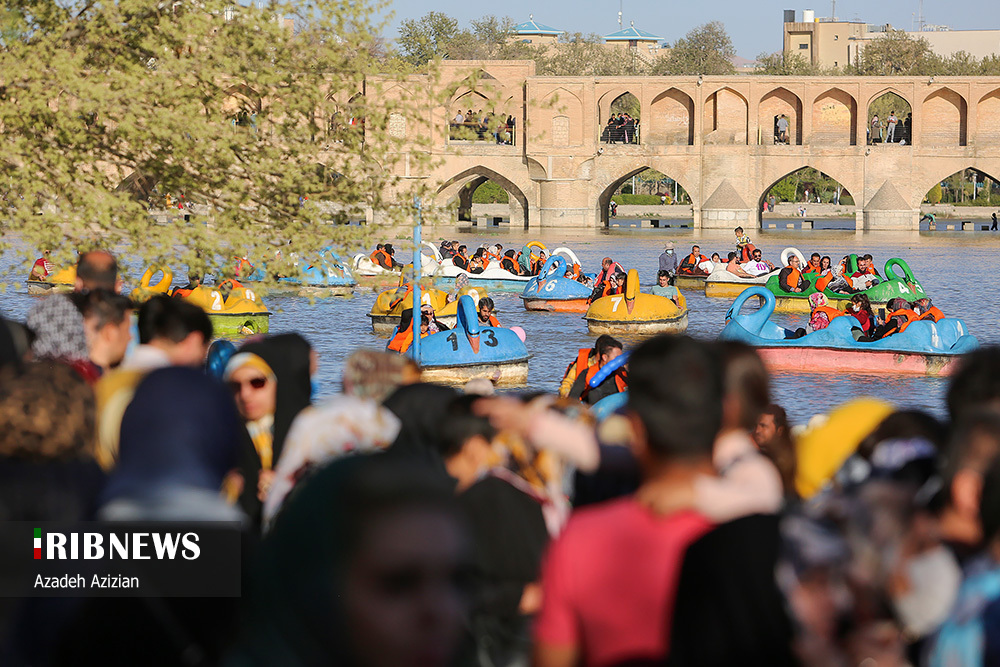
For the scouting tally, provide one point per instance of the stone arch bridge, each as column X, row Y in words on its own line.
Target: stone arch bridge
column 713, row 135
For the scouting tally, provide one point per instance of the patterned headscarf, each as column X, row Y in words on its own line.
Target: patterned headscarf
column 461, row 282
column 58, row 327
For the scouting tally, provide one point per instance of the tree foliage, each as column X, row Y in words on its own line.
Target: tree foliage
column 260, row 128
column 786, row 64
column 894, row 54
column 706, row 49
column 437, row 35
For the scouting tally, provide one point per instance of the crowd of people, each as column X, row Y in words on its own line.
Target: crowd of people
column 403, row 523
column 621, row 128
column 483, row 125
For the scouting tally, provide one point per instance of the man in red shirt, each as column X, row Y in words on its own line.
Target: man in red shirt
column 609, row 581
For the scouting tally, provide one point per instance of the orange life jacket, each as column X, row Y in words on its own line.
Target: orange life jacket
column 811, row 268
column 383, row 259
column 933, row 313
column 460, row 262
column 180, row 292
column 490, row 255
column 243, row 267
column 509, row 265
column 374, row 256
column 402, row 341
column 823, row 281
column 910, row 316
column 793, row 278
column 692, row 261
column 493, row 321
column 575, row 272
column 830, row 311
column 620, row 380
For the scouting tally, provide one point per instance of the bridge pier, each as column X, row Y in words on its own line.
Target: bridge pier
column 898, row 220
column 719, row 218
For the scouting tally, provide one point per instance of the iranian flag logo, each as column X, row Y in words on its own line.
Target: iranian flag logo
column 38, row 543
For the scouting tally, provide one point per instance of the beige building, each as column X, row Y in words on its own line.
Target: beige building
column 641, row 42
column 831, row 43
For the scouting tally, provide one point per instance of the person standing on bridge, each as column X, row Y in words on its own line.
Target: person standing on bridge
column 890, row 136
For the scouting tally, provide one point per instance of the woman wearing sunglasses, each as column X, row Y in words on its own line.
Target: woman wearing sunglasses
column 270, row 381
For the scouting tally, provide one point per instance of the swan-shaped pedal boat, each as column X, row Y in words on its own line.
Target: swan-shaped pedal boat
column 636, row 313
column 552, row 290
column 472, row 350
column 390, row 304
column 924, row 347
column 494, row 276
column 329, row 277
column 234, row 309
column 368, row 273
column 897, row 280
column 61, row 281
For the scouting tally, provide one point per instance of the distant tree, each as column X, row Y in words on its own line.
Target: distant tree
column 896, row 53
column 934, row 194
column 424, row 39
column 706, row 49
column 780, row 63
column 577, row 54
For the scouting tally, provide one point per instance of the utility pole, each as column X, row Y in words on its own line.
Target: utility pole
column 833, row 9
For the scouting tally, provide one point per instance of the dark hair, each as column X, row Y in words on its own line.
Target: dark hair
column 815, row 254
column 738, row 229
column 102, row 304
column 867, row 256
column 829, row 262
column 675, row 388
column 731, row 256
column 989, row 502
column 779, row 415
column 97, row 269
column 173, row 319
column 745, row 379
column 965, row 448
column 461, row 248
column 460, row 424
column 662, row 273
column 781, row 452
column 480, row 252
column 604, row 344
column 486, row 301
column 388, row 248
column 379, row 246
column 425, row 320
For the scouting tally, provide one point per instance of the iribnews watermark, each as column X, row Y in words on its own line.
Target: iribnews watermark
column 120, row 559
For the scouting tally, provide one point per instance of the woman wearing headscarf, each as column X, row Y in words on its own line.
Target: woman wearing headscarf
column 171, row 467
column 421, row 409
column 172, row 463
column 363, row 568
column 60, row 335
column 270, row 380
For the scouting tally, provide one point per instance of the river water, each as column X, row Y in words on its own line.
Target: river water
column 950, row 265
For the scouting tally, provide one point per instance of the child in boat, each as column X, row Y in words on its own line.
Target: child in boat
column 861, row 308
column 743, row 245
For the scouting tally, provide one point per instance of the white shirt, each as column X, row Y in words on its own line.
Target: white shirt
column 146, row 358
column 756, row 268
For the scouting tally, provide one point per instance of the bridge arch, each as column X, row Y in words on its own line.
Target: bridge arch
column 671, row 119
column 988, row 106
column 834, row 119
column 726, row 117
column 773, row 105
column 944, row 118
column 604, row 197
column 619, row 100
column 462, row 185
column 882, row 104
column 943, row 173
column 788, row 190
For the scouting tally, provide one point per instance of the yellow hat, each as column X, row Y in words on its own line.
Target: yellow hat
column 821, row 450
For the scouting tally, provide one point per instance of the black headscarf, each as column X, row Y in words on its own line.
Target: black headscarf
column 8, row 350
column 288, row 356
column 422, row 409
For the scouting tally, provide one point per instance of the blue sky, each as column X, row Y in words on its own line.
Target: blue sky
column 754, row 25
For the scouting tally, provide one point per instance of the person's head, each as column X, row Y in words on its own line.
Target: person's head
column 383, row 584
column 480, row 252
column 860, row 303
column 194, row 279
column 613, row 280
column 606, row 348
column 486, row 307
column 976, row 383
column 824, row 263
column 510, row 253
column 389, row 250
column 162, row 447
column 731, row 256
column 48, row 412
column 663, row 277
column 374, row 374
column 606, row 263
column 738, row 231
column 462, row 250
column 177, row 327
column 466, row 441
column 669, row 247
column 971, row 451
column 814, row 258
column 746, row 386
column 568, row 273
column 758, row 255
column 772, row 425
column 58, row 329
column 107, row 323
column 793, row 261
column 675, row 400
column 379, row 246
column 425, row 324
column 97, row 269
column 695, row 249
column 253, row 384
column 715, row 257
